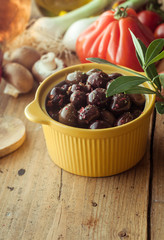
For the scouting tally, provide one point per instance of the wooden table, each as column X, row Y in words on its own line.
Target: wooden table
column 40, row 201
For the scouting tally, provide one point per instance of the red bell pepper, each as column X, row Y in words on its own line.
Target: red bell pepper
column 109, row 38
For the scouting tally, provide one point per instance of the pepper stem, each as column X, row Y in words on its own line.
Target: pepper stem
column 120, row 13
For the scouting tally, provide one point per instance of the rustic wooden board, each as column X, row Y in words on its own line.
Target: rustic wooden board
column 40, row 201
column 157, row 211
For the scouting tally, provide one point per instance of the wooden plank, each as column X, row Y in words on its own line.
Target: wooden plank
column 157, row 209
column 157, row 201
column 40, row 201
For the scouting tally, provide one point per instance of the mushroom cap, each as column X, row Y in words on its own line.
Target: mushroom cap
column 19, row 76
column 47, row 65
column 25, row 56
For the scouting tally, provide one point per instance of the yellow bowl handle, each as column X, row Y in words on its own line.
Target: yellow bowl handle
column 35, row 114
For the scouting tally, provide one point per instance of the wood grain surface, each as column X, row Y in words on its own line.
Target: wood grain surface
column 157, row 210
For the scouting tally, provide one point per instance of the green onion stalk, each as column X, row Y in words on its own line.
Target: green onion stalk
column 135, row 4
column 56, row 26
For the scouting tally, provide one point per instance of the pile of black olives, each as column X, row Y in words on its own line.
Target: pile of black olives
column 80, row 101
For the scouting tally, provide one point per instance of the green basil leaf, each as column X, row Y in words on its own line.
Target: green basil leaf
column 155, row 59
column 139, row 59
column 138, row 48
column 140, row 90
column 161, row 78
column 103, row 61
column 151, row 72
column 154, row 48
column 123, row 83
column 160, row 107
column 143, row 49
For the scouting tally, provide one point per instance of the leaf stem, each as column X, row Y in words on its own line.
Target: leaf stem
column 156, row 89
column 153, row 85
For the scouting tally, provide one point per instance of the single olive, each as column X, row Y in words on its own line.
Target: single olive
column 78, row 99
column 98, row 80
column 108, row 84
column 56, row 91
column 114, row 75
column 120, row 103
column 76, row 77
column 107, row 117
column 68, row 115
column 136, row 113
column 56, row 98
column 125, row 118
column 98, row 97
column 87, row 114
column 78, row 86
column 54, row 114
column 93, row 70
column 137, row 99
column 65, row 87
column 98, row 124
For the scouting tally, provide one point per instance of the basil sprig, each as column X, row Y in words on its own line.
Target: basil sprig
column 147, row 58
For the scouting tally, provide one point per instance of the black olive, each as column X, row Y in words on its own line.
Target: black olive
column 79, row 86
column 56, row 98
column 98, row 124
column 54, row 114
column 56, row 91
column 136, row 113
column 108, row 84
column 137, row 99
column 81, row 101
column 87, row 114
column 125, row 118
column 120, row 103
column 78, row 99
column 93, row 70
column 98, row 97
column 114, row 75
column 65, row 87
column 68, row 115
column 76, row 77
column 107, row 117
column 98, row 80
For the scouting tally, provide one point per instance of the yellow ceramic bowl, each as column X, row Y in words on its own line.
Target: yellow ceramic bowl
column 86, row 152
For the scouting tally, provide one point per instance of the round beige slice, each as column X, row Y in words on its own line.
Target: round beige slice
column 12, row 134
